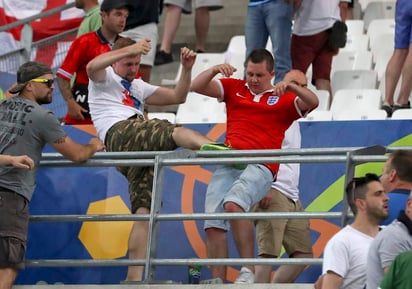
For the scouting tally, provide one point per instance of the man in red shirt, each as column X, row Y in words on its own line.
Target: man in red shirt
column 258, row 114
column 86, row 47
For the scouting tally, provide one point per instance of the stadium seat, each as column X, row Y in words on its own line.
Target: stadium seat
column 324, row 99
column 355, row 100
column 380, row 43
column 237, row 45
column 382, row 59
column 369, row 114
column 355, row 26
column 378, row 27
column 356, row 42
column 318, row 115
column 170, row 116
column 203, row 62
column 353, row 79
column 378, row 10
column 238, row 61
column 402, row 114
column 200, row 108
column 352, row 60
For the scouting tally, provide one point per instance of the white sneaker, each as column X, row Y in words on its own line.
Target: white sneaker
column 245, row 276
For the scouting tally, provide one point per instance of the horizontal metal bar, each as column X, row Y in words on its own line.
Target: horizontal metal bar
column 277, row 152
column 235, row 159
column 171, row 262
column 36, row 17
column 183, row 217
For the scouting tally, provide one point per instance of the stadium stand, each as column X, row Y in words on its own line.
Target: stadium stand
column 198, row 108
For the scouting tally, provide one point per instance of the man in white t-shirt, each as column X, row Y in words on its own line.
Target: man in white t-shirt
column 344, row 258
column 293, row 234
column 116, row 100
column 310, row 42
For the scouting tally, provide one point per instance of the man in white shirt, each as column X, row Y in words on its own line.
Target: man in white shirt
column 311, row 33
column 293, row 234
column 116, row 100
column 344, row 258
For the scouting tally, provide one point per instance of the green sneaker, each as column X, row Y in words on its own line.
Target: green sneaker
column 221, row 146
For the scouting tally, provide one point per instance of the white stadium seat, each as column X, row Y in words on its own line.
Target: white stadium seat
column 405, row 113
column 353, row 79
column 355, row 100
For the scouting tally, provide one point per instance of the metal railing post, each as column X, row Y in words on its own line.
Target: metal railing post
column 157, row 196
column 350, row 173
column 26, row 43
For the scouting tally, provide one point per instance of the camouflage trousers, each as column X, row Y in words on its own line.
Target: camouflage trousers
column 140, row 135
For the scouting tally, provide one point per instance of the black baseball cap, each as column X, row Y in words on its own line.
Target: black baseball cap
column 28, row 71
column 115, row 4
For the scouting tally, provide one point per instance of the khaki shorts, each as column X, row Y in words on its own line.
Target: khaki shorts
column 14, row 220
column 146, row 31
column 140, row 135
column 186, row 5
column 293, row 234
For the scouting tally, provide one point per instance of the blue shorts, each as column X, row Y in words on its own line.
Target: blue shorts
column 243, row 187
column 403, row 24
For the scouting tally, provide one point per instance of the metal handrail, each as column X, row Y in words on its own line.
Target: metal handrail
column 308, row 155
column 36, row 17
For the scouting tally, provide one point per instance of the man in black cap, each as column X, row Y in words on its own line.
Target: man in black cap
column 25, row 128
column 83, row 49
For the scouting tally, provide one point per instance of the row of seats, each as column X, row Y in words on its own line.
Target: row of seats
column 353, row 104
column 372, row 114
column 377, row 10
column 316, row 115
column 348, row 104
column 357, row 74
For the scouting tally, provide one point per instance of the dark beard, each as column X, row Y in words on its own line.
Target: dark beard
column 44, row 100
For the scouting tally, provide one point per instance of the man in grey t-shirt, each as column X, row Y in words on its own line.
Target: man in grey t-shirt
column 25, row 128
column 389, row 243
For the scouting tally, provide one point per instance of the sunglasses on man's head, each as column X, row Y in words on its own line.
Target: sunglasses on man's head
column 48, row 82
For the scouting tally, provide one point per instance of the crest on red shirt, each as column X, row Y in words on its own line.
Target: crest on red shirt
column 272, row 100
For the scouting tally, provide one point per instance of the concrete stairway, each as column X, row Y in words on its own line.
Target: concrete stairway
column 224, row 23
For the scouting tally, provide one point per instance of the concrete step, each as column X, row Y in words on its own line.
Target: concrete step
column 224, row 23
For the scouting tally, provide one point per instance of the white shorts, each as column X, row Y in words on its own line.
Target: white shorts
column 186, row 5
column 148, row 31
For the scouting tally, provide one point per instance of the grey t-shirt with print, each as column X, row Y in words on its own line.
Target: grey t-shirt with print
column 25, row 128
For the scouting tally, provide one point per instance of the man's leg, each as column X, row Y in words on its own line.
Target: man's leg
column 393, row 73
column 323, row 84
column 262, row 272
column 188, row 138
column 256, row 34
column 406, row 85
column 278, row 20
column 289, row 273
column 138, row 246
column 171, row 24
column 270, row 233
column 202, row 20
column 7, row 277
column 243, row 234
column 216, row 246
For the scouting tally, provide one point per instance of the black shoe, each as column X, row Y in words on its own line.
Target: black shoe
column 388, row 108
column 163, row 58
column 401, row 106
